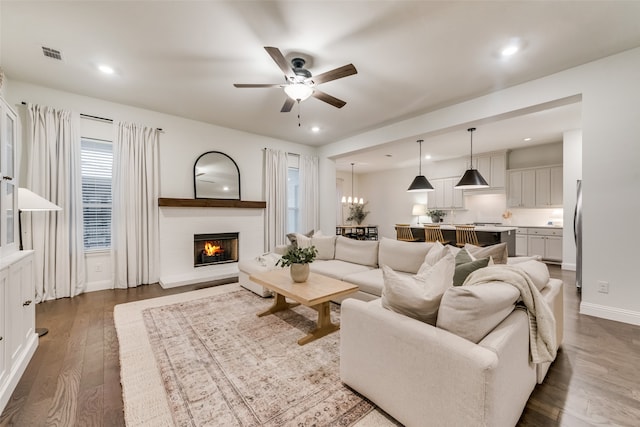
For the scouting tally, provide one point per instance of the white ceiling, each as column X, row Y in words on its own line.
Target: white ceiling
column 182, row 58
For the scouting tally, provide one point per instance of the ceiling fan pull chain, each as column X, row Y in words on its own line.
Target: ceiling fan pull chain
column 298, row 113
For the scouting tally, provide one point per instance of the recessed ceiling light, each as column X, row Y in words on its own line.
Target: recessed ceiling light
column 427, row 156
column 527, row 139
column 315, row 129
column 106, row 69
column 510, row 50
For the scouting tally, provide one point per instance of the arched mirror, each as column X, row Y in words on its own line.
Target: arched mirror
column 216, row 176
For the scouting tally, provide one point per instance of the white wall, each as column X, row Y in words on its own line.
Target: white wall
column 181, row 143
column 609, row 91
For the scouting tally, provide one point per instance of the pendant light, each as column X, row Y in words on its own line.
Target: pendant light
column 420, row 183
column 472, row 178
column 352, row 200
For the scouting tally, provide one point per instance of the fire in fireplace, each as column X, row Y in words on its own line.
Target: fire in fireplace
column 216, row 248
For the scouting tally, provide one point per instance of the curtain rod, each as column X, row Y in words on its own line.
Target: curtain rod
column 288, row 152
column 100, row 119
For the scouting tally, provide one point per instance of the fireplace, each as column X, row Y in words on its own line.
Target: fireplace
column 218, row 248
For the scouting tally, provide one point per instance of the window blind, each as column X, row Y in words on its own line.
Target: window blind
column 97, row 169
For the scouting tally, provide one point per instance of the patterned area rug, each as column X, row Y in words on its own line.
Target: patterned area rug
column 205, row 358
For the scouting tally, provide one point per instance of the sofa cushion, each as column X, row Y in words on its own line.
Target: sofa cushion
column 402, row 256
column 466, row 268
column 537, row 271
column 417, row 296
column 498, row 252
column 518, row 259
column 472, row 312
column 298, row 239
column 325, row 245
column 336, row 268
column 364, row 252
column 370, row 281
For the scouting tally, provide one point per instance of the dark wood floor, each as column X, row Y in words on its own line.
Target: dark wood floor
column 74, row 376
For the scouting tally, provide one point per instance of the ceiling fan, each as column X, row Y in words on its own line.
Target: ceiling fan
column 299, row 83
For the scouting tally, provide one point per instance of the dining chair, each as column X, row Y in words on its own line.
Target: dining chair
column 403, row 232
column 433, row 233
column 466, row 234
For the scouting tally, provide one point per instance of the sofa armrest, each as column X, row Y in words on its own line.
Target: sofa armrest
column 416, row 372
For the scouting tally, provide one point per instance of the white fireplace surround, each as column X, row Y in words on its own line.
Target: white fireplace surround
column 177, row 228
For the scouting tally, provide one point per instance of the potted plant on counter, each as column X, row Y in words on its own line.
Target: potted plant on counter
column 436, row 215
column 298, row 259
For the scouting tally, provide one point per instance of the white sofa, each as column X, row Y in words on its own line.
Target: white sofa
column 418, row 373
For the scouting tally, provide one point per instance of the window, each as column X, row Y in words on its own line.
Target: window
column 293, row 203
column 97, row 160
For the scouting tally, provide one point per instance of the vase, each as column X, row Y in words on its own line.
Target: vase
column 299, row 272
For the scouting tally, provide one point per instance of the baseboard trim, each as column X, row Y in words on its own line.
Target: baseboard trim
column 99, row 285
column 568, row 266
column 610, row 313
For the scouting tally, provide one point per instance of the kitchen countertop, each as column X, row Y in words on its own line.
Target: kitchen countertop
column 485, row 228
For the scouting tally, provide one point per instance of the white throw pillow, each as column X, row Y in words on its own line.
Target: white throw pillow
column 325, row 245
column 498, row 252
column 418, row 296
column 472, row 312
column 435, row 254
column 303, row 241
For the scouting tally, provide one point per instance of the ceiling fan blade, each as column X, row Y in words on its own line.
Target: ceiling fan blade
column 332, row 100
column 256, row 85
column 279, row 59
column 338, row 73
column 288, row 105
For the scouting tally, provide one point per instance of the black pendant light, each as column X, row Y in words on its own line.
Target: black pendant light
column 472, row 178
column 420, row 183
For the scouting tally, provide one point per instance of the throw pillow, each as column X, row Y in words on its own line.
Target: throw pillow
column 465, row 269
column 472, row 312
column 435, row 254
column 498, row 252
column 417, row 296
column 463, row 257
column 293, row 237
column 325, row 245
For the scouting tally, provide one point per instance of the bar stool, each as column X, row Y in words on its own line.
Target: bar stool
column 466, row 234
column 433, row 233
column 403, row 232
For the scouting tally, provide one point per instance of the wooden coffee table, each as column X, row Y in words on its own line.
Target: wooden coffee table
column 316, row 292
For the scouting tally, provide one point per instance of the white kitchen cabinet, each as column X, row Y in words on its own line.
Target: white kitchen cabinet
column 521, row 190
column 492, row 167
column 18, row 324
column 544, row 242
column 445, row 196
column 535, row 187
column 521, row 242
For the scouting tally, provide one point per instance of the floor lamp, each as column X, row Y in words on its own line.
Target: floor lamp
column 30, row 202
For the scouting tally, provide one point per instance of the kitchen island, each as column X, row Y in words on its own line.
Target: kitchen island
column 487, row 235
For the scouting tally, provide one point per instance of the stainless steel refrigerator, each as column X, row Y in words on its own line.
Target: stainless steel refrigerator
column 577, row 233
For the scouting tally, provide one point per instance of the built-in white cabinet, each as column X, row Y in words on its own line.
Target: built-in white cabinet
column 492, row 167
column 17, row 327
column 545, row 242
column 8, row 179
column 445, row 196
column 535, row 187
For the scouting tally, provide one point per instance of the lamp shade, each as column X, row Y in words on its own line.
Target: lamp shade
column 472, row 179
column 419, row 209
column 30, row 201
column 420, row 183
column 298, row 91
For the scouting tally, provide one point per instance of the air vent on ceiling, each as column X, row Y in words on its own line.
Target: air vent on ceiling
column 51, row 53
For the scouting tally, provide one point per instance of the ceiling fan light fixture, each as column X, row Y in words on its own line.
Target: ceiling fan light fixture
column 298, row 91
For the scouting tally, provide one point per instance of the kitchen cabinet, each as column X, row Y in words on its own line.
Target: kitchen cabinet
column 544, row 242
column 17, row 327
column 445, row 196
column 535, row 187
column 492, row 167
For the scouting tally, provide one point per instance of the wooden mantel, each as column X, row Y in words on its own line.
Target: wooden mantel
column 210, row 203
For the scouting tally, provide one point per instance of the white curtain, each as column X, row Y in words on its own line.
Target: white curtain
column 54, row 172
column 308, row 193
column 134, row 217
column 275, row 179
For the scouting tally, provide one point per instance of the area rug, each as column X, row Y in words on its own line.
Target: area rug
column 205, row 358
